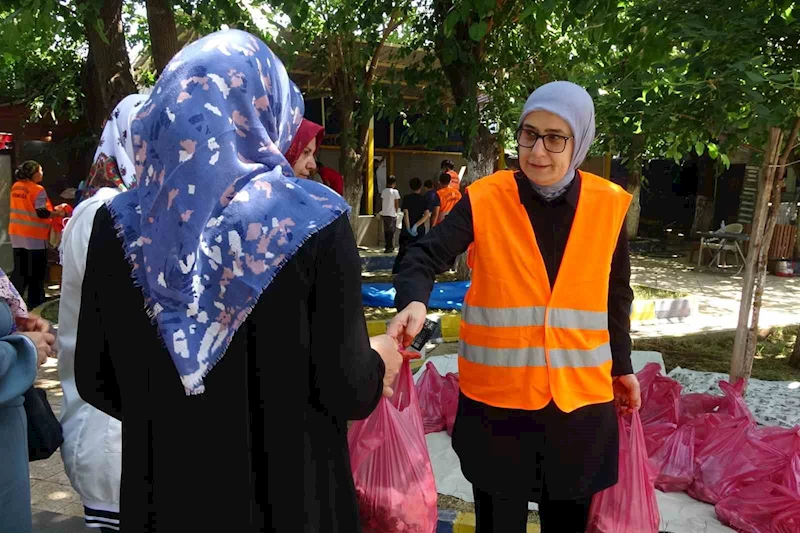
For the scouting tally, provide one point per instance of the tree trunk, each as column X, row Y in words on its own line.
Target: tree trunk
column 163, row 33
column 109, row 55
column 635, row 185
column 703, row 214
column 763, row 259
column 794, row 359
column 480, row 163
column 740, row 366
column 756, row 270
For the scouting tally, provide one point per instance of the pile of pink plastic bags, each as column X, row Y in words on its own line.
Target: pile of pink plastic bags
column 711, row 447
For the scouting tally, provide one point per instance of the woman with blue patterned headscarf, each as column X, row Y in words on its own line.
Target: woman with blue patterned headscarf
column 221, row 251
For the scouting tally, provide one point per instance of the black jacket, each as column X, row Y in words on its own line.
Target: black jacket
column 264, row 448
column 519, row 452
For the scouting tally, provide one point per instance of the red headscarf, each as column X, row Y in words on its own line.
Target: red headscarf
column 305, row 133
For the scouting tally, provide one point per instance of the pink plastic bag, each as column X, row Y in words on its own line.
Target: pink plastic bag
column 660, row 396
column 733, row 458
column 429, row 389
column 655, row 434
column 761, row 508
column 731, row 405
column 391, row 466
column 674, row 461
column 450, row 401
column 630, row 505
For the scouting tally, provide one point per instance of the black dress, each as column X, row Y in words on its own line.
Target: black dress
column 531, row 455
column 264, row 448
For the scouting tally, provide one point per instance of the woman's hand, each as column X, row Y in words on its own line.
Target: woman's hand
column 33, row 323
column 407, row 324
column 44, row 344
column 387, row 348
column 627, row 394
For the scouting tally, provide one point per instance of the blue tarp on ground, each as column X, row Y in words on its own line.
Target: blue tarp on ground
column 448, row 295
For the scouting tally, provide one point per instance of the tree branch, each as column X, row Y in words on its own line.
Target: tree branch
column 373, row 64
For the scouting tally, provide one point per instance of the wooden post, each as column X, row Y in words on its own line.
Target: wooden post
column 370, row 186
column 322, row 106
column 390, row 167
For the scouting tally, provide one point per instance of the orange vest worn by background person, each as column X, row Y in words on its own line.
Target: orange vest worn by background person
column 523, row 345
column 455, row 181
column 24, row 221
column 448, row 198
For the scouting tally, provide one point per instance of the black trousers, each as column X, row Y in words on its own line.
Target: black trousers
column 30, row 268
column 389, row 227
column 502, row 514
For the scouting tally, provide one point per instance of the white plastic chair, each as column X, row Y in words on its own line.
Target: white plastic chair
column 729, row 246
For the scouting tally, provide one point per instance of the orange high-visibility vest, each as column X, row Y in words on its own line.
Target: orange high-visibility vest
column 448, row 198
column 455, row 181
column 523, row 345
column 24, row 221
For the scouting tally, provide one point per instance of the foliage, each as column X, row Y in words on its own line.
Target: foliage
column 42, row 57
column 699, row 76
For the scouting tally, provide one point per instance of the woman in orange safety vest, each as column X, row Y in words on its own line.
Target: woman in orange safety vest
column 545, row 345
column 29, row 228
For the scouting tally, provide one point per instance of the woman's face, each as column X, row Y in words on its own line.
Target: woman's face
column 540, row 165
column 39, row 176
column 305, row 165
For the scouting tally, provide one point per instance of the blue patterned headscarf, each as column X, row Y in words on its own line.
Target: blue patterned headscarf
column 217, row 212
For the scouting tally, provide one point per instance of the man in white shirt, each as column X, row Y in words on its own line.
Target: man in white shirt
column 390, row 199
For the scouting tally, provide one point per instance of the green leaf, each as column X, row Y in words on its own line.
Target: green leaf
column 450, row 22
column 529, row 10
column 699, row 147
column 101, row 30
column 725, row 161
column 780, row 77
column 478, row 31
column 713, row 150
column 755, row 77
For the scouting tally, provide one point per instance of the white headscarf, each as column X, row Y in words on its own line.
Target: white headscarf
column 573, row 104
column 113, row 160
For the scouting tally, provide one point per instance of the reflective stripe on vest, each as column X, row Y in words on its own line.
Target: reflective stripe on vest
column 506, row 317
column 524, row 344
column 23, row 219
column 522, row 357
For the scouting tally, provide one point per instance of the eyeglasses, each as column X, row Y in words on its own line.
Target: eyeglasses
column 554, row 144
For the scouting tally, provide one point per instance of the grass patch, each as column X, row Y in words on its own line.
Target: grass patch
column 640, row 292
column 711, row 352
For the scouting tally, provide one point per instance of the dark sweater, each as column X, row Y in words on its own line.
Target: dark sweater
column 264, row 448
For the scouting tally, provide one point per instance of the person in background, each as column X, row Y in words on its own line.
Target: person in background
column 415, row 215
column 226, row 328
column 92, row 448
column 331, row 178
column 449, row 168
column 448, row 197
column 302, row 153
column 545, row 334
column 432, row 203
column 25, row 343
column 390, row 206
column 29, row 228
